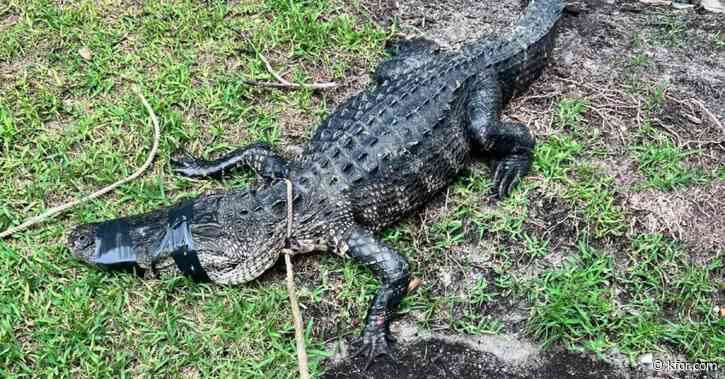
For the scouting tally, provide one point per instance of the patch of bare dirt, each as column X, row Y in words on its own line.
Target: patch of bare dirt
column 692, row 215
column 623, row 169
column 432, row 355
column 552, row 219
column 615, row 57
column 425, row 354
column 453, row 23
column 10, row 69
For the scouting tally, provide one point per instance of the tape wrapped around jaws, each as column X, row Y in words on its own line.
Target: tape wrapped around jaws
column 114, row 249
column 178, row 243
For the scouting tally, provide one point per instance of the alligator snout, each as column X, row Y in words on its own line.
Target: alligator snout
column 106, row 245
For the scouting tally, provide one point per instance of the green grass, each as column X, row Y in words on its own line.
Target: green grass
column 661, row 162
column 640, row 60
column 69, row 125
column 578, row 304
column 718, row 41
column 563, row 159
column 672, row 31
column 661, row 299
column 73, row 321
column 570, row 112
column 594, row 195
column 554, row 158
column 473, row 320
column 575, row 302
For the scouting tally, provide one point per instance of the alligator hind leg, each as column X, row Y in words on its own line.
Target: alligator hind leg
column 391, row 269
column 260, row 157
column 511, row 144
column 408, row 55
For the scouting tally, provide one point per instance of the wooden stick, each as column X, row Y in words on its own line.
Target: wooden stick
column 292, row 292
column 290, row 85
column 709, row 114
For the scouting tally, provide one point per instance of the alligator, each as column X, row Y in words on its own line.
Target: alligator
column 377, row 158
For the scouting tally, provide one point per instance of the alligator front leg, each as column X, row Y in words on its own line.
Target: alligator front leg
column 391, row 269
column 260, row 157
column 511, row 144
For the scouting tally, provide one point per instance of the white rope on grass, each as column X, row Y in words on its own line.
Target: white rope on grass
column 64, row 207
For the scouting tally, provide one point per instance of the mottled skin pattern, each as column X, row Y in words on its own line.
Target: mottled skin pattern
column 380, row 156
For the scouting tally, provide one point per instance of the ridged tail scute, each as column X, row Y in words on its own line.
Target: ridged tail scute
column 538, row 22
column 530, row 46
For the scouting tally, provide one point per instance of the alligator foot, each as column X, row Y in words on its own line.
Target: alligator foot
column 259, row 157
column 509, row 171
column 373, row 345
column 392, row 270
column 184, row 164
column 511, row 144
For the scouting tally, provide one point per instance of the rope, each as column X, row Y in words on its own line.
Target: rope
column 64, row 207
column 292, row 292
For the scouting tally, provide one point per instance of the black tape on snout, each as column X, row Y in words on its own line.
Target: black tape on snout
column 114, row 250
column 179, row 244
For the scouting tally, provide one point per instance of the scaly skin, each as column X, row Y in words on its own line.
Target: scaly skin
column 380, row 156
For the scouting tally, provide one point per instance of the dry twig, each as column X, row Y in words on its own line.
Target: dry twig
column 709, row 114
column 283, row 83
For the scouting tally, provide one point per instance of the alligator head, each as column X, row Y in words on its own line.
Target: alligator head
column 236, row 235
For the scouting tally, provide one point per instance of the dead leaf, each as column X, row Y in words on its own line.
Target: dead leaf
column 11, row 20
column 414, row 284
column 85, row 53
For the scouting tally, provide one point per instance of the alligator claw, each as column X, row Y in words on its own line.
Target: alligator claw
column 373, row 346
column 508, row 173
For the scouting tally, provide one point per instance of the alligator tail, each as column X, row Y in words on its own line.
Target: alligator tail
column 538, row 21
column 529, row 47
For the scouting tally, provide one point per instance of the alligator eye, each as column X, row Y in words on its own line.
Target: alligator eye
column 82, row 241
